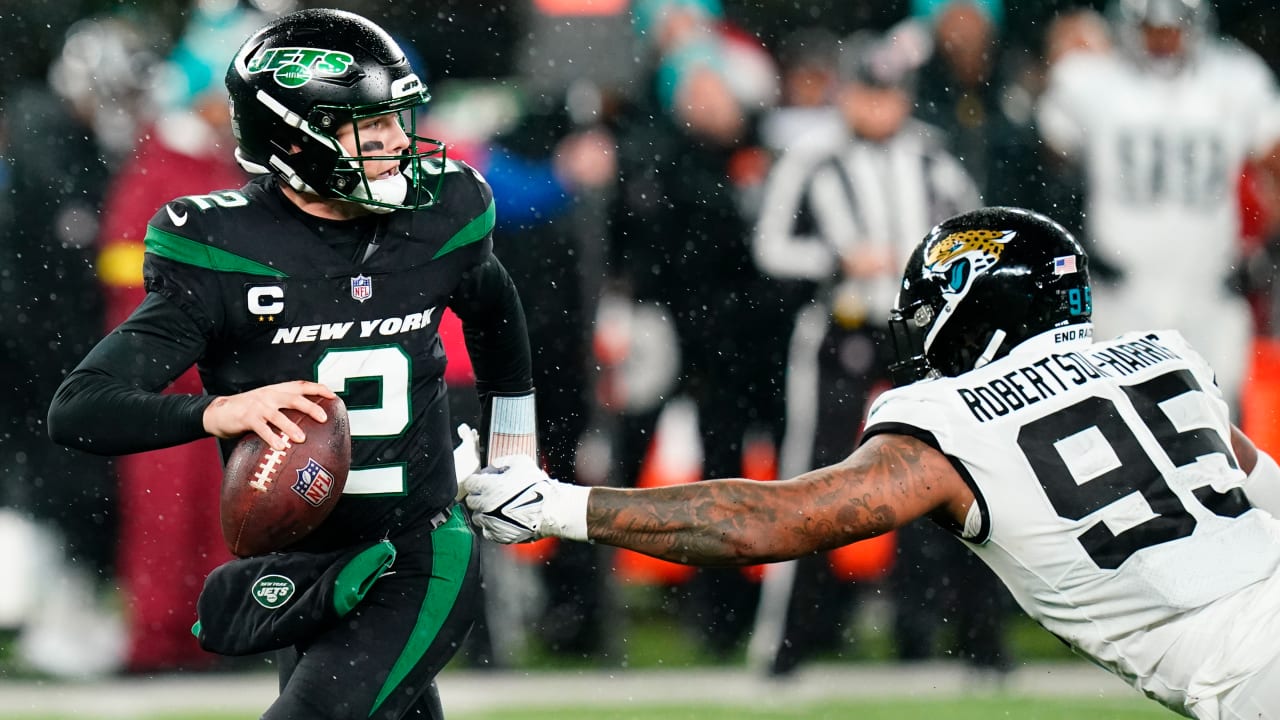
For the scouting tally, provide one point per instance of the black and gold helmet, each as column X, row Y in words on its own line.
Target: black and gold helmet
column 979, row 284
column 297, row 81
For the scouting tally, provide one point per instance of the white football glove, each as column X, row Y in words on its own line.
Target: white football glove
column 514, row 501
column 466, row 457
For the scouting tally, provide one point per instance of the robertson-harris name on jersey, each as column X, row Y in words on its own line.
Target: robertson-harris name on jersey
column 1054, row 374
column 367, row 328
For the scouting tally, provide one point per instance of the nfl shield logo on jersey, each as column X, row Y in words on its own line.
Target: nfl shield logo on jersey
column 361, row 287
column 314, row 483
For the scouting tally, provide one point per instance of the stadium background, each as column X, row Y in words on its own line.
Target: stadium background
column 465, row 45
column 480, row 38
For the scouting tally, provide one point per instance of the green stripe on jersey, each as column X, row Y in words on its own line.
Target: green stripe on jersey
column 451, row 544
column 190, row 252
column 479, row 226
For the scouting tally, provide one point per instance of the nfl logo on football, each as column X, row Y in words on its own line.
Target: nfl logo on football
column 314, row 483
column 361, row 287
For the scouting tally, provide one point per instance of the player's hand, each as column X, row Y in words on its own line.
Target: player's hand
column 508, row 499
column 261, row 411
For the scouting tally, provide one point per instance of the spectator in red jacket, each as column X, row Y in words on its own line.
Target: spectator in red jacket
column 170, row 537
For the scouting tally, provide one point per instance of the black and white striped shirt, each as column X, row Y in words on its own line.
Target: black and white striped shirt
column 820, row 204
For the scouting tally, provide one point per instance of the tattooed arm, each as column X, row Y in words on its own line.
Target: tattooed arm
column 886, row 483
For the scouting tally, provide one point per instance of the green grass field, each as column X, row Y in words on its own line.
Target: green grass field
column 654, row 639
column 967, row 709
column 987, row 708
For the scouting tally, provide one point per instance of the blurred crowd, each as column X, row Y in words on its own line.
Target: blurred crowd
column 705, row 205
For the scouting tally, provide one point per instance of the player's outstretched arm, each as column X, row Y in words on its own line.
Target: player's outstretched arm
column 888, row 482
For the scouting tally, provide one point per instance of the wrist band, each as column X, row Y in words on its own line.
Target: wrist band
column 564, row 513
column 512, row 426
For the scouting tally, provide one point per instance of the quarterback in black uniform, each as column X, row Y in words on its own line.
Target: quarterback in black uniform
column 328, row 274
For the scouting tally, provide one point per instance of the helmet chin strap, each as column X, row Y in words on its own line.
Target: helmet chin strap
column 391, row 190
column 278, row 166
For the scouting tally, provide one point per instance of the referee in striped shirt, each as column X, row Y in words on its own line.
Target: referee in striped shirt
column 844, row 218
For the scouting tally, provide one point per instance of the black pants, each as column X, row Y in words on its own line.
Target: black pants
column 380, row 661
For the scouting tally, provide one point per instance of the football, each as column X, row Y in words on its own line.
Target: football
column 273, row 498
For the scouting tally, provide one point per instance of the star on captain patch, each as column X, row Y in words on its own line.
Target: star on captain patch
column 361, row 288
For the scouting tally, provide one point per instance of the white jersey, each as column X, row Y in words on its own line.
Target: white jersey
column 1162, row 156
column 1109, row 502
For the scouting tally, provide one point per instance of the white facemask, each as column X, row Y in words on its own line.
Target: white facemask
column 387, row 190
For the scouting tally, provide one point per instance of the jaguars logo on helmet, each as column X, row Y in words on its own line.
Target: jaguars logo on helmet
column 966, row 254
column 978, row 285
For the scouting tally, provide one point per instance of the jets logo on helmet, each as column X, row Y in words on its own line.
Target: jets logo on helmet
column 299, row 82
column 295, row 66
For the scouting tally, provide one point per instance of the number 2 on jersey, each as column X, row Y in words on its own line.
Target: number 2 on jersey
column 389, row 366
column 1074, row 497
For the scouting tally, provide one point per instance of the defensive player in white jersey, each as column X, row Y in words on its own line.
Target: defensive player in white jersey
column 1102, row 481
column 1161, row 128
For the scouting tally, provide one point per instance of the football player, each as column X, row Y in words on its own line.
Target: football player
column 1102, row 481
column 328, row 274
column 1161, row 128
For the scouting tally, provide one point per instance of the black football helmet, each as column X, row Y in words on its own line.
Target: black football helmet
column 978, row 285
column 297, row 81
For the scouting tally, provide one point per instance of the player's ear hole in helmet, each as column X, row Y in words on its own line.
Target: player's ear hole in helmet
column 298, row 81
column 979, row 284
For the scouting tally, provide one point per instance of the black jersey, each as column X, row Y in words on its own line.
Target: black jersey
column 280, row 295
